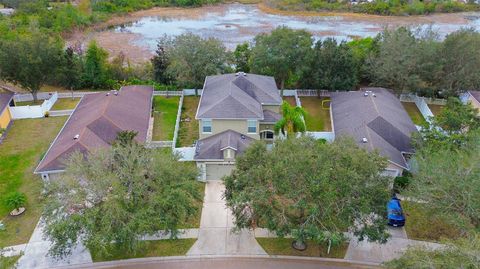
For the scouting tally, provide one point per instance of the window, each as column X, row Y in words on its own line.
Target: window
column 206, row 126
column 252, row 126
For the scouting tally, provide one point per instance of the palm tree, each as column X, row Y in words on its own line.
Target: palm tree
column 292, row 120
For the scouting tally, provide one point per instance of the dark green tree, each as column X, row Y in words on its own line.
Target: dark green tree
column 310, row 190
column 461, row 62
column 160, row 63
column 71, row 70
column 30, row 61
column 280, row 53
column 333, row 66
column 241, row 57
column 192, row 58
column 95, row 71
column 118, row 195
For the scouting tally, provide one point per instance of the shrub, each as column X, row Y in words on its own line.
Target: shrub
column 15, row 200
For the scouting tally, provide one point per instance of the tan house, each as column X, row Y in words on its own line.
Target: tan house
column 473, row 97
column 6, row 99
column 234, row 110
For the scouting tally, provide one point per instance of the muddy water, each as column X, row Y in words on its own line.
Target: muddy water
column 237, row 23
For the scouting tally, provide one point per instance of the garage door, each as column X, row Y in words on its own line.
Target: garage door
column 217, row 171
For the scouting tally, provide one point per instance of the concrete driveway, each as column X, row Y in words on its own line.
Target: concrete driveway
column 215, row 234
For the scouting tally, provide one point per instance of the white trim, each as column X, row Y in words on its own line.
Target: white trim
column 211, row 126
column 256, row 126
column 228, row 147
column 201, row 97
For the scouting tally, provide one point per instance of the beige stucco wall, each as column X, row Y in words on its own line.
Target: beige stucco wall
column 5, row 118
column 392, row 166
column 275, row 109
column 219, row 126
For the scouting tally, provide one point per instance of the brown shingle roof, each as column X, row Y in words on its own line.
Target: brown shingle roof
column 97, row 120
column 237, row 96
column 382, row 120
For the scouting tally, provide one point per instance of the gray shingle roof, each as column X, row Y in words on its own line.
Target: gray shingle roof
column 5, row 99
column 270, row 117
column 476, row 95
column 382, row 120
column 211, row 148
column 237, row 96
column 97, row 119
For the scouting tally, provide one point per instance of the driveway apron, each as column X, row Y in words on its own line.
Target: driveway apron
column 215, row 235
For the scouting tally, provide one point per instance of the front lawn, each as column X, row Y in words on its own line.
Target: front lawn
column 20, row 152
column 156, row 248
column 65, row 103
column 422, row 225
column 188, row 132
column 283, row 246
column 165, row 115
column 414, row 113
column 318, row 117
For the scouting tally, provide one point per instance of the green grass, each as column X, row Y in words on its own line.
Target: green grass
column 436, row 109
column 188, row 131
column 422, row 225
column 20, row 153
column 157, row 248
column 29, row 103
column 414, row 113
column 290, row 100
column 318, row 118
column 8, row 262
column 165, row 115
column 65, row 103
column 283, row 246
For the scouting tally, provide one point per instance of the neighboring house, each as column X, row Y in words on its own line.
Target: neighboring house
column 95, row 123
column 376, row 120
column 473, row 97
column 6, row 99
column 234, row 110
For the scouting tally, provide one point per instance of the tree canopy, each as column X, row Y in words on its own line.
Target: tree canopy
column 280, row 53
column 118, row 195
column 30, row 61
column 192, row 58
column 310, row 190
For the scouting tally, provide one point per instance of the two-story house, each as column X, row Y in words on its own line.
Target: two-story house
column 234, row 110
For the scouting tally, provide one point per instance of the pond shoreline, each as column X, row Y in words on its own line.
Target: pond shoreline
column 129, row 43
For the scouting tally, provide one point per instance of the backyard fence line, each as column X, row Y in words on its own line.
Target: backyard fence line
column 309, row 92
column 36, row 111
column 177, row 122
column 167, row 93
column 159, row 144
column 25, row 97
column 59, row 113
column 74, row 94
column 421, row 104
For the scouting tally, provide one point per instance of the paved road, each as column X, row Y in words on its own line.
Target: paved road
column 229, row 262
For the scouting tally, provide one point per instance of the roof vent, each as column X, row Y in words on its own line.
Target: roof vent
column 364, row 140
column 76, row 137
column 115, row 93
column 374, row 95
column 365, row 94
column 108, row 94
column 237, row 74
column 242, row 136
column 244, row 74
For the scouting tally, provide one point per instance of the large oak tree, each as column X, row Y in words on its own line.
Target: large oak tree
column 310, row 190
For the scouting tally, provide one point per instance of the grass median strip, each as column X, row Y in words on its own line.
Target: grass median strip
column 283, row 246
column 155, row 248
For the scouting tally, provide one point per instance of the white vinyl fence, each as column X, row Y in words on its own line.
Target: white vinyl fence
column 37, row 111
column 422, row 104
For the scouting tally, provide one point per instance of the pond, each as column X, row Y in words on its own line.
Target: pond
column 237, row 23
